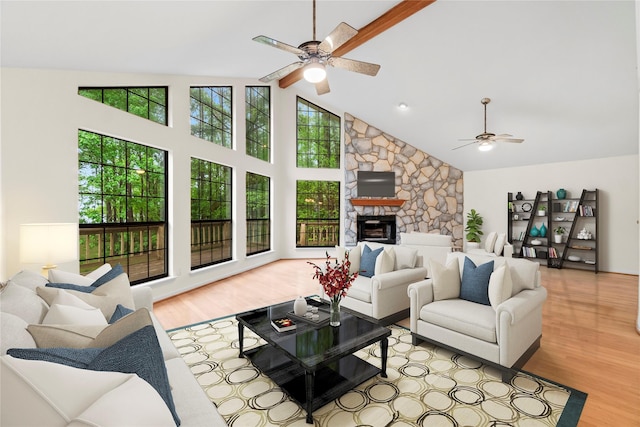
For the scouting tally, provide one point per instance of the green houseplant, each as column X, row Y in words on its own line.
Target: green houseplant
column 473, row 229
column 557, row 234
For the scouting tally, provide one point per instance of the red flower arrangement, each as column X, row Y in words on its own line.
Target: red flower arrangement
column 335, row 279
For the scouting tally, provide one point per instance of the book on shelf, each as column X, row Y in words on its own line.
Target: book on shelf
column 283, row 324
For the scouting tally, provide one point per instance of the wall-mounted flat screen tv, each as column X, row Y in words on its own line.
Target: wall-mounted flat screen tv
column 376, row 184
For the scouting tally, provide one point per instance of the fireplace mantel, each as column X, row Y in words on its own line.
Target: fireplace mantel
column 377, row 202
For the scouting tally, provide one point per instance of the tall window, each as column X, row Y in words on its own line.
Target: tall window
column 258, row 120
column 211, row 116
column 122, row 204
column 147, row 102
column 318, row 137
column 317, row 213
column 258, row 208
column 211, row 234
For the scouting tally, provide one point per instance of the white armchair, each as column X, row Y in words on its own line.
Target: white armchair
column 502, row 334
column 383, row 296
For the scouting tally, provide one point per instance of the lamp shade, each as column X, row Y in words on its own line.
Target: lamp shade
column 48, row 243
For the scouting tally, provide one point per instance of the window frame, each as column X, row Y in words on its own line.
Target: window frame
column 224, row 128
column 253, row 147
column 333, row 158
column 211, row 223
column 105, row 229
column 130, row 91
column 252, row 222
column 317, row 227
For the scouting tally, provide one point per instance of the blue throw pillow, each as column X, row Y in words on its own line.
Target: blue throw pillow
column 119, row 313
column 368, row 261
column 138, row 353
column 475, row 282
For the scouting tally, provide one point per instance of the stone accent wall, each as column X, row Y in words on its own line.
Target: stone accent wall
column 432, row 188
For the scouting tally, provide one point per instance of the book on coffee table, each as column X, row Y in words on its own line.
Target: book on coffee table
column 283, row 324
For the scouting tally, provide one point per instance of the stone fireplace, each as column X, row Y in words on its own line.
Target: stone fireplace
column 377, row 228
column 430, row 190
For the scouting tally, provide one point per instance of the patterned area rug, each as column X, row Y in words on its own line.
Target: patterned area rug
column 426, row 386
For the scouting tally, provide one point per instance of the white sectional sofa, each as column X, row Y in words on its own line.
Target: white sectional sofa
column 495, row 244
column 43, row 393
column 495, row 315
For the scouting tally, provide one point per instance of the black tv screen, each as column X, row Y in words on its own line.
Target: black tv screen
column 376, row 184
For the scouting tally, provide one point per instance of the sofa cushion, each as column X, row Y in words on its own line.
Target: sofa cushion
column 405, row 257
column 354, row 257
column 474, row 285
column 28, row 279
column 72, row 336
column 105, row 278
column 22, row 302
column 368, row 261
column 139, row 353
column 106, row 297
column 59, row 276
column 13, row 333
column 490, row 241
column 60, row 314
column 385, row 262
column 465, row 317
column 360, row 289
column 500, row 286
column 119, row 313
column 84, row 336
column 40, row 393
column 68, row 309
column 498, row 247
column 446, row 280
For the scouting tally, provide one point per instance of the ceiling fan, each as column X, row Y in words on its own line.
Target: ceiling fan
column 486, row 139
column 315, row 56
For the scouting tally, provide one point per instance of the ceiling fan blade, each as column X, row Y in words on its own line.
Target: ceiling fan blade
column 342, row 33
column 506, row 138
column 322, row 87
column 275, row 43
column 474, row 141
column 282, row 72
column 353, row 65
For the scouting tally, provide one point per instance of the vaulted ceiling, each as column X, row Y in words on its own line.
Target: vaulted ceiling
column 560, row 74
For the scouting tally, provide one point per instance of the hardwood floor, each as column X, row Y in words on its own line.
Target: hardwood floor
column 589, row 338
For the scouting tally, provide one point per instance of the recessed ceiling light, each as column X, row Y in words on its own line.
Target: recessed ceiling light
column 403, row 106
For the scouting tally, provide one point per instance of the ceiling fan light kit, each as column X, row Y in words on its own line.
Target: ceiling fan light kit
column 314, row 72
column 486, row 140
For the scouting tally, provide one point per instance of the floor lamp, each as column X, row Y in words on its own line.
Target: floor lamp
column 48, row 243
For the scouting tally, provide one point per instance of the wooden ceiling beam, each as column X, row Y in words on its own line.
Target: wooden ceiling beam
column 393, row 16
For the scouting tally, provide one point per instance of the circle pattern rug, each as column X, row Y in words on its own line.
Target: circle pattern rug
column 426, row 386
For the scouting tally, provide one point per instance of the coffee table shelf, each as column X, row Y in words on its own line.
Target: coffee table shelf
column 330, row 382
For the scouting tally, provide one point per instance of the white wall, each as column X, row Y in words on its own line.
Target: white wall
column 41, row 115
column 616, row 178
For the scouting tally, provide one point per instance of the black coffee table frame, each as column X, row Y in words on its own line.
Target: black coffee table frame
column 313, row 364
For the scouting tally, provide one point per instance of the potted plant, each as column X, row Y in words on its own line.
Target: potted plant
column 473, row 229
column 542, row 210
column 558, row 232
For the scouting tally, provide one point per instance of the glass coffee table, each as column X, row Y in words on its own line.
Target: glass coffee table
column 313, row 363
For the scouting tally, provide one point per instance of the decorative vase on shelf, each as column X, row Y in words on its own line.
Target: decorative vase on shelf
column 519, row 196
column 334, row 312
column 300, row 306
column 561, row 193
column 543, row 230
column 534, row 231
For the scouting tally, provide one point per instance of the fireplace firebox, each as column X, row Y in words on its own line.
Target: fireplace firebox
column 377, row 228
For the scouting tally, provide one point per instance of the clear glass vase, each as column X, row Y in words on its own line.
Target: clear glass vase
column 334, row 319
